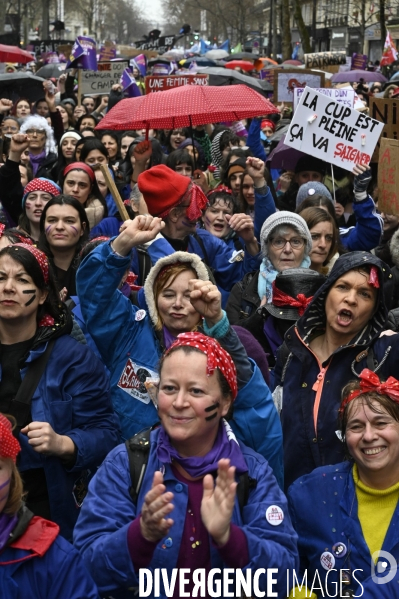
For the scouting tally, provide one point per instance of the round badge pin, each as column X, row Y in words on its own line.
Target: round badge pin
column 274, row 515
column 327, row 560
column 339, row 549
column 140, row 314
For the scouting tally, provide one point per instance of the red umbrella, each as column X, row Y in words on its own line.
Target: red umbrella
column 14, row 54
column 186, row 106
column 245, row 65
column 294, row 63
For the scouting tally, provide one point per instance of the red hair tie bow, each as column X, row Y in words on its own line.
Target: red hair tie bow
column 283, row 299
column 369, row 381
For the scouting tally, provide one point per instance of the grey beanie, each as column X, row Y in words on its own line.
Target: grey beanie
column 307, row 190
column 289, row 219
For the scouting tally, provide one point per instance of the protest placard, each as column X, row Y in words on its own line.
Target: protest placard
column 100, row 82
column 318, row 60
column 161, row 45
column 359, row 61
column 388, row 176
column 160, row 83
column 343, row 96
column 285, row 81
column 332, row 132
column 385, row 110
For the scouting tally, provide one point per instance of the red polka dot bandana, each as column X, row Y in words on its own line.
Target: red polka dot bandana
column 2, row 227
column 217, row 357
column 198, row 202
column 40, row 257
column 41, row 184
column 9, row 446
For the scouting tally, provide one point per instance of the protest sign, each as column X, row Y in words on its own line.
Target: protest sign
column 42, row 46
column 162, row 82
column 332, row 132
column 385, row 110
column 267, row 75
column 100, row 82
column 107, row 51
column 129, row 85
column 388, row 177
column 319, row 60
column 343, row 96
column 285, row 81
column 161, row 45
column 83, row 55
column 359, row 61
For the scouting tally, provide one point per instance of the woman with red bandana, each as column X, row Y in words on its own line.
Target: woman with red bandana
column 33, row 555
column 66, row 424
column 352, row 535
column 183, row 517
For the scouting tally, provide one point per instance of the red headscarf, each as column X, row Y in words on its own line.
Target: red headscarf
column 40, row 257
column 217, row 357
column 80, row 166
column 9, row 446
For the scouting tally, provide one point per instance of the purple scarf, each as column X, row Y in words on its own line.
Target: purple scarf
column 7, row 525
column 168, row 338
column 36, row 160
column 225, row 446
column 272, row 335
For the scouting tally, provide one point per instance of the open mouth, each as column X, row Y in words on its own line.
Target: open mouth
column 345, row 317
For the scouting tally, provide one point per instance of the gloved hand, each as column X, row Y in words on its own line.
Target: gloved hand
column 362, row 179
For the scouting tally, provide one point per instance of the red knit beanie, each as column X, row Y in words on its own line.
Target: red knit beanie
column 162, row 188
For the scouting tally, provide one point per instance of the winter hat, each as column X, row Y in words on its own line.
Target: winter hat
column 238, row 166
column 73, row 134
column 164, row 189
column 41, row 184
column 309, row 189
column 293, row 290
column 193, row 261
column 289, row 219
column 38, row 122
column 310, row 163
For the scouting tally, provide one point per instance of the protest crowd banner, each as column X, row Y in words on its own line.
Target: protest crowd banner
column 285, row 81
column 159, row 83
column 332, row 131
column 388, row 176
column 343, row 96
column 322, row 59
column 100, row 82
column 386, row 111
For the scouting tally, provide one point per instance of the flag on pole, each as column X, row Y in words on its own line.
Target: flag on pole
column 390, row 53
column 204, row 46
column 83, row 55
column 140, row 62
column 225, row 46
column 237, row 48
column 129, row 85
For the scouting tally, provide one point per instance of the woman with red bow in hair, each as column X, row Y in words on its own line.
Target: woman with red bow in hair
column 54, row 387
column 351, row 534
column 34, row 558
column 187, row 513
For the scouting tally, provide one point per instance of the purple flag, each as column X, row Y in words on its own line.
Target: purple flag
column 51, row 58
column 83, row 55
column 129, row 85
column 107, row 53
column 140, row 62
column 359, row 62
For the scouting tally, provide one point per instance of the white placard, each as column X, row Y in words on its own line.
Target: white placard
column 332, row 132
column 343, row 95
column 100, row 82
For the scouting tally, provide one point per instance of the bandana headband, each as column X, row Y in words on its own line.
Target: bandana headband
column 41, row 184
column 9, row 446
column 267, row 123
column 40, row 257
column 216, row 356
column 279, row 299
column 219, row 188
column 369, row 381
column 80, row 166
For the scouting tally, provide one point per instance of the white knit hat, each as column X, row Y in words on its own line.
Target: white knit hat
column 289, row 219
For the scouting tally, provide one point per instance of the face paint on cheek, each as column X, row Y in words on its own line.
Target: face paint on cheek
column 207, row 221
column 210, row 409
column 29, row 302
column 74, row 229
column 28, row 291
column 6, row 484
column 48, row 229
column 187, row 223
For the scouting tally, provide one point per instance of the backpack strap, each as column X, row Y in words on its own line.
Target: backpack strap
column 145, row 265
column 138, row 450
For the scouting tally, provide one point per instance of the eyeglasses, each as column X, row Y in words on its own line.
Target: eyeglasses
column 35, row 132
column 295, row 242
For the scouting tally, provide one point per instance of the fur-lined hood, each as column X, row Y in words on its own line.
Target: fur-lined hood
column 394, row 248
column 192, row 261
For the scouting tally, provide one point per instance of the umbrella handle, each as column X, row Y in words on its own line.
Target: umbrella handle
column 147, row 128
column 192, row 137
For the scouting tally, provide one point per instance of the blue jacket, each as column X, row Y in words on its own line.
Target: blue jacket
column 59, row 574
column 367, row 233
column 323, row 508
column 101, row 531
column 73, row 397
column 304, row 449
column 131, row 351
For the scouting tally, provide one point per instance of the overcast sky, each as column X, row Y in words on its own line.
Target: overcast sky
column 153, row 10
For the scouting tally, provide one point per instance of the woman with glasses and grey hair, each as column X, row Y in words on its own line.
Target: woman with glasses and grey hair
column 285, row 243
column 42, row 147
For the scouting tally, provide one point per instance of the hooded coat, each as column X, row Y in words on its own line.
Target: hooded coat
column 304, row 447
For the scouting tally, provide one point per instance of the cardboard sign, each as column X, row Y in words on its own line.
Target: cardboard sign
column 319, row 60
column 161, row 45
column 99, row 82
column 385, row 110
column 160, row 83
column 285, row 81
column 343, row 96
column 388, row 176
column 332, row 132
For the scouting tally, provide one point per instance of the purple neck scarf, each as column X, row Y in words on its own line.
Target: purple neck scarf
column 225, row 446
column 272, row 335
column 36, row 160
column 7, row 525
column 168, row 338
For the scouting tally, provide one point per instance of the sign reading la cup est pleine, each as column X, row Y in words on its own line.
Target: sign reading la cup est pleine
column 332, row 131
column 100, row 82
